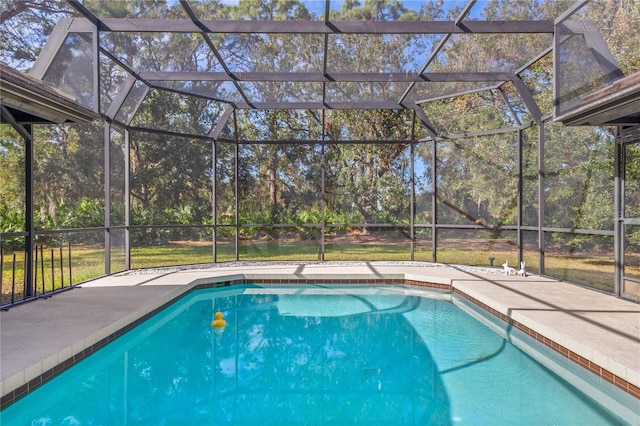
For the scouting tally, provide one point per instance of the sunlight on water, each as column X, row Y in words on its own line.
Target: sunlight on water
column 337, row 355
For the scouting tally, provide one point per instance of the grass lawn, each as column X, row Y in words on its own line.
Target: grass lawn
column 88, row 262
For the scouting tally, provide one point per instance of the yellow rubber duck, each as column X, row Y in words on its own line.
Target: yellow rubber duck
column 218, row 322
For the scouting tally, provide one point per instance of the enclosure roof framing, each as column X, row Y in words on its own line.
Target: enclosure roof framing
column 30, row 101
column 326, row 77
column 320, row 27
column 319, row 59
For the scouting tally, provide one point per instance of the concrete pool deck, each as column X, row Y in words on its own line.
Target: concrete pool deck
column 41, row 338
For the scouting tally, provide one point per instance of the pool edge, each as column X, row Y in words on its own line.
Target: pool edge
column 24, row 382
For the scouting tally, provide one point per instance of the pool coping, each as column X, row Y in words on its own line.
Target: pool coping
column 20, row 384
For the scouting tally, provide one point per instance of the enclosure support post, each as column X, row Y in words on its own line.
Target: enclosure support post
column 28, row 188
column 520, row 239
column 541, row 198
column 618, row 224
column 236, row 187
column 224, row 120
column 323, row 226
column 434, row 202
column 107, row 198
column 95, row 45
column 412, row 234
column 127, row 200
column 214, row 200
column 412, row 183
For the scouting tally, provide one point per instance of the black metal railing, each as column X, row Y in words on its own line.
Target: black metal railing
column 52, row 273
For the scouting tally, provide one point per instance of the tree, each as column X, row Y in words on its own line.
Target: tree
column 67, row 169
column 266, row 184
column 12, row 200
column 279, row 179
column 25, row 26
column 370, row 179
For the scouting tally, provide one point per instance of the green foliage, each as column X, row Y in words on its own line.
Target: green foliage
column 11, row 220
column 153, row 233
column 312, row 216
column 11, row 168
column 68, row 167
column 539, row 80
column 88, row 213
column 617, row 21
column 578, row 177
column 477, row 180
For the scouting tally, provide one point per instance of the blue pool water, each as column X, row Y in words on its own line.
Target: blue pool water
column 310, row 355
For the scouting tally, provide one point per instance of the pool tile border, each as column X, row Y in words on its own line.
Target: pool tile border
column 46, row 376
column 567, row 353
column 51, row 373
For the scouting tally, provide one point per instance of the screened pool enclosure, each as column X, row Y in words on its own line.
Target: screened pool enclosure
column 456, row 132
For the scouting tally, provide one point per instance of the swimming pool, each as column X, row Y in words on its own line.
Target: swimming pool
column 318, row 355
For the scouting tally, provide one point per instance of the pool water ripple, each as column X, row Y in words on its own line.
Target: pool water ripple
column 317, row 356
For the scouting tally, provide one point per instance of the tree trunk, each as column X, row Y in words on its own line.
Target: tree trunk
column 273, row 187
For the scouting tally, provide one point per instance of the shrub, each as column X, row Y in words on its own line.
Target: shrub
column 11, row 221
